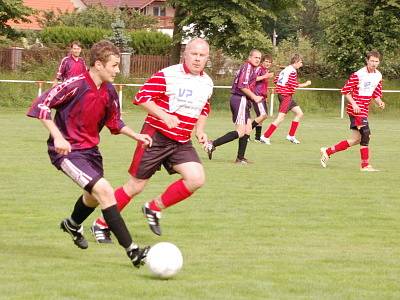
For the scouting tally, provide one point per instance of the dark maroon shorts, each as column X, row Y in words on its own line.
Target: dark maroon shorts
column 356, row 122
column 286, row 103
column 240, row 108
column 164, row 152
column 84, row 167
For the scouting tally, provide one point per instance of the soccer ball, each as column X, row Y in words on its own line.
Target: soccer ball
column 164, row 260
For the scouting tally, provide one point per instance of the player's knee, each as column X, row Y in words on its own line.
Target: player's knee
column 365, row 135
column 195, row 182
column 300, row 114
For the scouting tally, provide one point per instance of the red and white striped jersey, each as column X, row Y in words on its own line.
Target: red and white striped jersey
column 179, row 93
column 363, row 86
column 286, row 81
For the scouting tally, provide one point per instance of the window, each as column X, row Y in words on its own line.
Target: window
column 159, row 11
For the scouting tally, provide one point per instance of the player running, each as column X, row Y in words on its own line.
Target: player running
column 360, row 88
column 286, row 83
column 84, row 105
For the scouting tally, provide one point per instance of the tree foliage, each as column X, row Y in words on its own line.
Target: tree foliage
column 232, row 25
column 355, row 27
column 12, row 10
column 98, row 17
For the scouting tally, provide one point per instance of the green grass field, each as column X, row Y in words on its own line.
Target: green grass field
column 280, row 228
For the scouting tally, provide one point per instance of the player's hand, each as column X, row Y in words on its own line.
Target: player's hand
column 356, row 108
column 144, row 138
column 62, row 146
column 202, row 137
column 269, row 75
column 257, row 98
column 308, row 82
column 171, row 120
column 381, row 104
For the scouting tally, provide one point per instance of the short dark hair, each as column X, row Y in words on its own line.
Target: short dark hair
column 373, row 53
column 102, row 51
column 295, row 58
column 266, row 57
column 75, row 43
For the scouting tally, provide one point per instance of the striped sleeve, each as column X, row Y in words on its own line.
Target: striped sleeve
column 60, row 94
column 206, row 109
column 350, row 85
column 378, row 91
column 62, row 69
column 244, row 76
column 292, row 81
column 154, row 88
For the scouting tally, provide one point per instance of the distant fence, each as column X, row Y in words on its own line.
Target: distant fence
column 120, row 86
column 14, row 58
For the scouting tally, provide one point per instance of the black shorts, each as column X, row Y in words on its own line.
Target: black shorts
column 356, row 122
column 163, row 152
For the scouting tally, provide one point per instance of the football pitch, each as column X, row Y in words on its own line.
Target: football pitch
column 279, row 228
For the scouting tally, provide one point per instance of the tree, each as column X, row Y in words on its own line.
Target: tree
column 354, row 27
column 12, row 10
column 231, row 25
column 118, row 37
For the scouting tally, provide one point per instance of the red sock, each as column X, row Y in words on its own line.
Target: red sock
column 175, row 193
column 364, row 157
column 293, row 128
column 341, row 146
column 122, row 198
column 270, row 130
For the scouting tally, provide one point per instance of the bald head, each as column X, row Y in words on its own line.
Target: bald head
column 196, row 55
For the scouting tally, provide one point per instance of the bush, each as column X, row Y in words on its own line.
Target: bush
column 63, row 35
column 150, row 42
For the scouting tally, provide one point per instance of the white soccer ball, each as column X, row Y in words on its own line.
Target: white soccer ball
column 164, row 260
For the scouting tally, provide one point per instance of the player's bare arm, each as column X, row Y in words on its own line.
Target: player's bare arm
column 152, row 108
column 144, row 138
column 307, row 83
column 61, row 145
column 380, row 103
column 251, row 95
column 200, row 126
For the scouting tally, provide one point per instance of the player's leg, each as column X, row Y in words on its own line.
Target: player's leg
column 343, row 145
column 364, row 149
column 238, row 106
column 294, row 125
column 284, row 102
column 242, row 145
column 185, row 161
column 261, row 114
column 104, row 194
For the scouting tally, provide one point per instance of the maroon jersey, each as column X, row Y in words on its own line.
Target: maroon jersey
column 261, row 87
column 245, row 78
column 82, row 110
column 70, row 67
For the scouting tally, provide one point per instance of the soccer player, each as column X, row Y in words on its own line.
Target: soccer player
column 360, row 88
column 261, row 89
column 71, row 65
column 177, row 101
column 242, row 93
column 286, row 83
column 84, row 105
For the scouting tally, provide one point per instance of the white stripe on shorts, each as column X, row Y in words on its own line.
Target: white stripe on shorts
column 261, row 108
column 241, row 117
column 75, row 173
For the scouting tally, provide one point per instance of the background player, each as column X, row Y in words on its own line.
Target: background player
column 71, row 65
column 84, row 105
column 362, row 86
column 177, row 99
column 242, row 93
column 261, row 89
column 286, row 83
